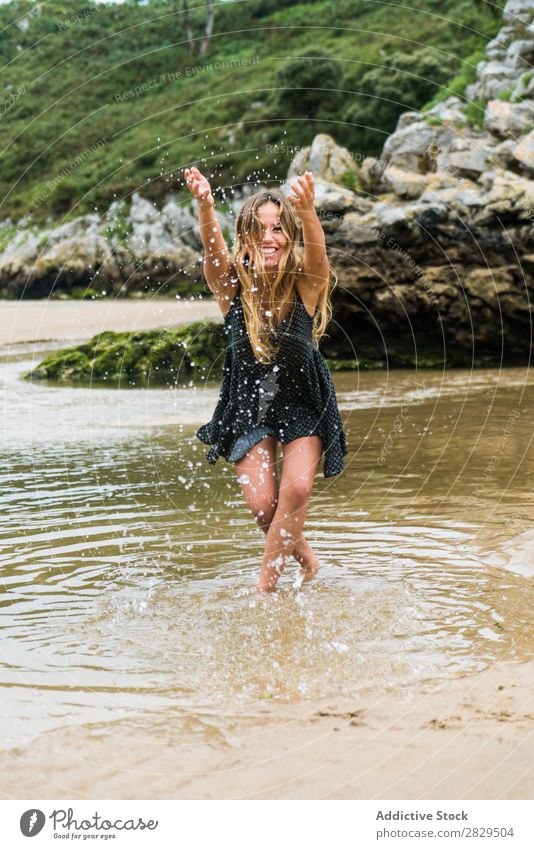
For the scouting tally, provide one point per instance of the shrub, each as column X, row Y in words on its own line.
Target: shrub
column 386, row 92
column 302, row 81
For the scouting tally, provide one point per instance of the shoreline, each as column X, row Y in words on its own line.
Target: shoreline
column 76, row 322
column 24, row 322
column 462, row 738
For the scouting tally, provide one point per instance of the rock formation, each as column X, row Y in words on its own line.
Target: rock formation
column 432, row 242
column 435, row 251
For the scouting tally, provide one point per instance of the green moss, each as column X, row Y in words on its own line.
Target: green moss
column 353, row 365
column 474, row 112
column 80, row 294
column 505, row 95
column 6, row 235
column 118, row 229
column 350, row 180
column 169, row 357
column 465, row 76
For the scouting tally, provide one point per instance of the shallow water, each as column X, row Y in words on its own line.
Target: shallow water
column 127, row 559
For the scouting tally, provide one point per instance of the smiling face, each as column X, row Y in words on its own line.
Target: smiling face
column 273, row 240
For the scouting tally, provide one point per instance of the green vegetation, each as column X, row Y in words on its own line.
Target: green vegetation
column 432, row 120
column 6, row 236
column 119, row 228
column 308, row 85
column 474, row 112
column 161, row 357
column 102, row 100
column 353, row 365
column 351, row 180
column 465, row 76
column 404, row 81
column 505, row 95
column 80, row 294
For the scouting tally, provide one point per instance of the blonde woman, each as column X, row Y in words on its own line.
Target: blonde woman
column 276, row 387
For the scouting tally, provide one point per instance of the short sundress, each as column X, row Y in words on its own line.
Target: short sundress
column 291, row 397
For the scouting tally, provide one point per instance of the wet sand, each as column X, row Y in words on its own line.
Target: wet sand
column 32, row 321
column 468, row 738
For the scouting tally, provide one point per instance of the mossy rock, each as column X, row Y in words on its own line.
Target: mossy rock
column 350, row 180
column 166, row 357
column 80, row 294
column 353, row 365
column 432, row 120
column 474, row 112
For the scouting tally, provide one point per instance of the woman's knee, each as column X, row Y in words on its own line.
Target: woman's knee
column 296, row 493
column 264, row 512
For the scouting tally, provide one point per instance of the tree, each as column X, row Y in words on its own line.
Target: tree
column 307, row 82
column 407, row 82
column 204, row 43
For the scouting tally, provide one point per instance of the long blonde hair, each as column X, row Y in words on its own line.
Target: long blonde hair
column 255, row 280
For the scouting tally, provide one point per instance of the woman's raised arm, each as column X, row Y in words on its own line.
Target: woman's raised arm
column 217, row 262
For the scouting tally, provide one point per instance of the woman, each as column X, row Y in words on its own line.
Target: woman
column 275, row 299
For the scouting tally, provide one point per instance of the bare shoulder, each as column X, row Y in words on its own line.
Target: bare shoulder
column 226, row 291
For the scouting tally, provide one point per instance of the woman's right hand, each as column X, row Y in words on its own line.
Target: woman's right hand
column 199, row 186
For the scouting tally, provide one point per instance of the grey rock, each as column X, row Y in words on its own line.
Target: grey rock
column 467, row 156
column 435, row 249
column 142, row 211
column 525, row 87
column 503, row 156
column 517, row 11
column 356, row 229
column 520, row 54
column 404, row 184
column 497, row 47
column 330, row 197
column 508, row 120
column 523, row 153
column 324, row 158
column 450, row 110
column 494, row 78
column 408, row 148
column 406, row 119
column 182, row 223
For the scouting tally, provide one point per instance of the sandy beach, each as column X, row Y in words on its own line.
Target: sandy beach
column 40, row 321
column 468, row 738
column 462, row 737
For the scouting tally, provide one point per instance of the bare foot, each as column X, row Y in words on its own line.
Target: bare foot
column 264, row 589
column 309, row 572
column 304, row 554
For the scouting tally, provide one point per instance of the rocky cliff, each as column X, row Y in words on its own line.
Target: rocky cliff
column 433, row 244
column 436, row 253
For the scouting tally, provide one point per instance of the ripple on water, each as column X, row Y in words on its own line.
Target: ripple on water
column 127, row 561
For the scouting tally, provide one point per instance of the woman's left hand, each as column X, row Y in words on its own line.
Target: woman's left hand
column 303, row 202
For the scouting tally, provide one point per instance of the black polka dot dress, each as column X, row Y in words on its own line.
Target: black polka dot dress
column 291, row 397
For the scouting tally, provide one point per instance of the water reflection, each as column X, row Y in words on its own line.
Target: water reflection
column 127, row 559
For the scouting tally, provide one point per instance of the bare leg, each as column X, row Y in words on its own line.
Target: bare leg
column 301, row 458
column 256, row 473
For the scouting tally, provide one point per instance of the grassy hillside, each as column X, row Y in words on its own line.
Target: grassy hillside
column 75, row 135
